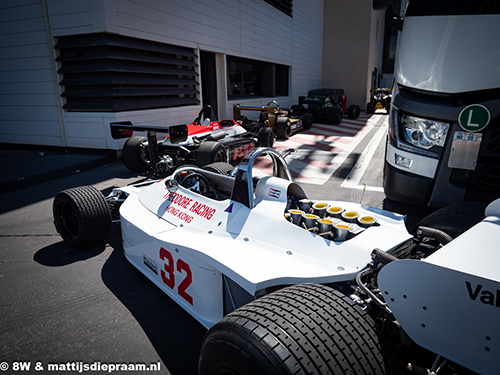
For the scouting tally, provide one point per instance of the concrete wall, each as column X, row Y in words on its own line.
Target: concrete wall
column 352, row 47
column 30, row 103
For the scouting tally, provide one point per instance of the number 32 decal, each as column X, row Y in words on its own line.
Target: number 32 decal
column 168, row 276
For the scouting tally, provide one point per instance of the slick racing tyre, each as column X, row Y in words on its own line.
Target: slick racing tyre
column 210, row 152
column 455, row 218
column 353, row 111
column 81, row 216
column 307, row 121
column 265, row 137
column 221, row 168
column 302, row 329
column 135, row 154
column 283, row 128
column 335, row 115
column 297, row 110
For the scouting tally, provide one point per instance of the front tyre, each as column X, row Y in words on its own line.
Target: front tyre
column 303, row 329
column 81, row 216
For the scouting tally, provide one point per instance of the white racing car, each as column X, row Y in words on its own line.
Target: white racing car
column 290, row 285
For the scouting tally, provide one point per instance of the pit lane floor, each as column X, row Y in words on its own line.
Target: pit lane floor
column 70, row 307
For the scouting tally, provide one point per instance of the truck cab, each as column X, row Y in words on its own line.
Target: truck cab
column 443, row 142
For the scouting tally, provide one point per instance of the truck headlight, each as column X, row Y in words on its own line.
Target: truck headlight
column 424, row 133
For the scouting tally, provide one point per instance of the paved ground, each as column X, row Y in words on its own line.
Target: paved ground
column 62, row 306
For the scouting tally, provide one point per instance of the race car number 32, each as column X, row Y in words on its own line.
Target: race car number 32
column 168, row 274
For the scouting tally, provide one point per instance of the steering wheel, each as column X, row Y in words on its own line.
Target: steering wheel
column 196, row 182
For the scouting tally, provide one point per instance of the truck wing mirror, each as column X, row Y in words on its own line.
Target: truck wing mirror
column 391, row 19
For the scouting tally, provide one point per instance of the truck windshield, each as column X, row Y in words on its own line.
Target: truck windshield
column 452, row 7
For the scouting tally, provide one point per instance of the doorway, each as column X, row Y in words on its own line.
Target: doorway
column 208, row 80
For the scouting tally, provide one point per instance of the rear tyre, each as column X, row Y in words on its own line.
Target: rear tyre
column 297, row 110
column 455, row 218
column 307, row 121
column 210, row 152
column 265, row 137
column 135, row 154
column 353, row 111
column 222, row 168
column 335, row 115
column 307, row 329
column 370, row 108
column 81, row 216
column 283, row 128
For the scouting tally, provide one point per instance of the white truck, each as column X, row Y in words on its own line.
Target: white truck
column 444, row 127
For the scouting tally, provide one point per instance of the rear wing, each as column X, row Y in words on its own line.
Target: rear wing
column 176, row 133
column 238, row 108
column 125, row 129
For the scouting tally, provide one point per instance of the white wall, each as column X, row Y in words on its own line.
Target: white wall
column 29, row 111
column 30, row 98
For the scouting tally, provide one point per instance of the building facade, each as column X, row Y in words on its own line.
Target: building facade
column 68, row 68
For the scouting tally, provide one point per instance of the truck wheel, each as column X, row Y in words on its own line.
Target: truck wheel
column 353, row 111
column 210, row 152
column 265, row 137
column 307, row 329
column 307, row 121
column 283, row 128
column 135, row 154
column 81, row 216
column 455, row 218
column 335, row 115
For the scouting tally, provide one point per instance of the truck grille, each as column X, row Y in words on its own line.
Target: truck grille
column 487, row 172
column 484, row 182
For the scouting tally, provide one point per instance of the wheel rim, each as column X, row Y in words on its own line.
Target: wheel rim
column 220, row 156
column 68, row 219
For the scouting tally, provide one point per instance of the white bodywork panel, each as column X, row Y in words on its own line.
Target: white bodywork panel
column 449, row 54
column 449, row 303
column 256, row 248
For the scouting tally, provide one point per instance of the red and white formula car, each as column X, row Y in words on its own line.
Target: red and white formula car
column 220, row 241
column 208, row 141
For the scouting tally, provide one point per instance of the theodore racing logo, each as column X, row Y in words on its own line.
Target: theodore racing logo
column 485, row 296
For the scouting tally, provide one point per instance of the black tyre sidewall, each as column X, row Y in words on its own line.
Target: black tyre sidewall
column 229, row 351
column 131, row 155
column 207, row 153
column 307, row 121
column 91, row 212
column 283, row 128
column 353, row 111
column 335, row 115
column 265, row 137
column 221, row 168
column 305, row 328
column 455, row 218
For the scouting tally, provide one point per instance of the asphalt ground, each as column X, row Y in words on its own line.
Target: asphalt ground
column 65, row 308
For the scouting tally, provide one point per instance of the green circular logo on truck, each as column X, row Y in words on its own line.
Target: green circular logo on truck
column 474, row 118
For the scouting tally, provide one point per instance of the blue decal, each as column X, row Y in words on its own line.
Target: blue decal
column 229, row 209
